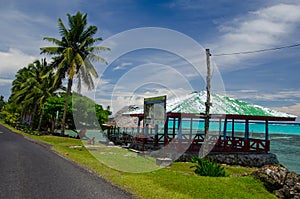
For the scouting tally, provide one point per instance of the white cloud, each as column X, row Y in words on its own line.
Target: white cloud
column 122, row 66
column 294, row 109
column 127, row 98
column 5, row 82
column 24, row 32
column 264, row 28
column 283, row 95
column 12, row 61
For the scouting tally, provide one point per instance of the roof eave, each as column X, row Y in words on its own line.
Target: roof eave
column 256, row 117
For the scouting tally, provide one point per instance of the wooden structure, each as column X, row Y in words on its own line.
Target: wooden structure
column 225, row 113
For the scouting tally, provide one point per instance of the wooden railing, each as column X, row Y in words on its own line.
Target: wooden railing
column 192, row 142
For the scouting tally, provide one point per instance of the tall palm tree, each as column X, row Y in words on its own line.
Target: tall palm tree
column 74, row 53
column 21, row 87
column 32, row 86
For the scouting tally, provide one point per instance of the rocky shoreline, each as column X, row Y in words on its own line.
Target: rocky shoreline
column 280, row 181
column 244, row 159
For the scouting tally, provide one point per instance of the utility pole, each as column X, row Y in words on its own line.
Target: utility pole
column 205, row 148
column 207, row 103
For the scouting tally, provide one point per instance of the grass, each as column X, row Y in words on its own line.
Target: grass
column 177, row 181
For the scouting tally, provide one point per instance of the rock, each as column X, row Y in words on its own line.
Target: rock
column 273, row 177
column 164, row 162
column 244, row 159
column 280, row 181
column 292, row 180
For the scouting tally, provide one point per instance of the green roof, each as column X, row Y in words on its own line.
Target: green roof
column 194, row 103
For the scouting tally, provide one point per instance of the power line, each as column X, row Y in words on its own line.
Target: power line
column 256, row 51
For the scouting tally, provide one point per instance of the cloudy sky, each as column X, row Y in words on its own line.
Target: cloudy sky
column 169, row 58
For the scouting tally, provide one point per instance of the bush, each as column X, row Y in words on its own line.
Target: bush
column 10, row 118
column 208, row 168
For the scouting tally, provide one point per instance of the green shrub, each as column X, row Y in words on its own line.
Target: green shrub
column 208, row 168
column 10, row 118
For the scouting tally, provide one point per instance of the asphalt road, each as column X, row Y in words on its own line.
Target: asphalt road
column 29, row 170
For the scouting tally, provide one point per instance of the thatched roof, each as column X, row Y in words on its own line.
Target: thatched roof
column 124, row 121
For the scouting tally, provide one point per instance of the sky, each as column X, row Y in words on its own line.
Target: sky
column 158, row 47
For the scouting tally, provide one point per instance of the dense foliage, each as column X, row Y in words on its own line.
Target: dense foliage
column 38, row 101
column 54, row 108
column 2, row 103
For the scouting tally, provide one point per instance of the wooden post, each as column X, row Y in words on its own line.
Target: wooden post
column 225, row 130
column 166, row 131
column 247, row 130
column 191, row 128
column 267, row 130
column 139, row 125
column 207, row 103
column 156, row 135
column 207, row 106
column 232, row 129
column 220, row 125
column 174, row 126
column 179, row 128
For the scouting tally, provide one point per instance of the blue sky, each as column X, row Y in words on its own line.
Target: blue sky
column 269, row 79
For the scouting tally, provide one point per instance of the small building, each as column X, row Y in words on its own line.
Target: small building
column 183, row 129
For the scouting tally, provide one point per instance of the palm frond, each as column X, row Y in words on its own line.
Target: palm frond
column 91, row 68
column 62, row 29
column 53, row 40
column 92, row 57
column 51, row 50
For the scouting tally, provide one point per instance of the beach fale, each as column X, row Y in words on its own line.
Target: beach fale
column 182, row 129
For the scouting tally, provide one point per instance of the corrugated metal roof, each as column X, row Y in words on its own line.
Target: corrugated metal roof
column 194, row 103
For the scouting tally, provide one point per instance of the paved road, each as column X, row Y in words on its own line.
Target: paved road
column 28, row 170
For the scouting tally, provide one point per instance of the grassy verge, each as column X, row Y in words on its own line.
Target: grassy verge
column 177, row 181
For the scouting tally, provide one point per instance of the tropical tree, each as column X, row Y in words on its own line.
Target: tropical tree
column 74, row 54
column 32, row 86
column 23, row 92
column 2, row 102
column 80, row 105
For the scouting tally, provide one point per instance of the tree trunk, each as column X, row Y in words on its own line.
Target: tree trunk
column 32, row 118
column 41, row 117
column 70, row 82
column 53, row 122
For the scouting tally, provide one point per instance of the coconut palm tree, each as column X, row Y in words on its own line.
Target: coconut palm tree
column 32, row 86
column 74, row 54
column 21, row 87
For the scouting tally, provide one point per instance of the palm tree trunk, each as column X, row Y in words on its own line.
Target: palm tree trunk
column 41, row 117
column 70, row 82
column 32, row 118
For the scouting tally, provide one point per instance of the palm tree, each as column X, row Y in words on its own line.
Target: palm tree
column 32, row 86
column 74, row 53
column 21, row 87
column 2, row 102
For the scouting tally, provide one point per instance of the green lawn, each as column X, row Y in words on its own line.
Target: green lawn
column 177, row 181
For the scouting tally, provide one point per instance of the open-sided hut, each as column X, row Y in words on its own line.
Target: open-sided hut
column 184, row 116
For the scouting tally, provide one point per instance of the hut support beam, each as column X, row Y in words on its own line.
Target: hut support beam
column 166, row 131
column 225, row 129
column 174, row 126
column 220, row 125
column 139, row 124
column 179, row 127
column 267, row 130
column 232, row 129
column 191, row 128
column 247, row 130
